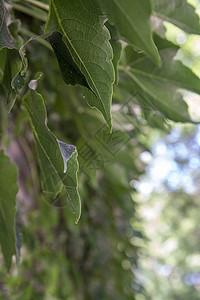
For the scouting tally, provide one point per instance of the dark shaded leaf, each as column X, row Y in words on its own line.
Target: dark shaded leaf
column 8, row 191
column 70, row 71
column 3, row 118
column 12, row 80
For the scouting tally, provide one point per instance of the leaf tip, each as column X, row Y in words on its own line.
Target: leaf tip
column 78, row 214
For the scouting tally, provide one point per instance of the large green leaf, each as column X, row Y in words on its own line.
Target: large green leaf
column 160, row 86
column 132, row 20
column 5, row 39
column 82, row 26
column 8, row 191
column 58, row 161
column 178, row 12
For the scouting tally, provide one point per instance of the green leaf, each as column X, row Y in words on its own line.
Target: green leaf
column 14, row 27
column 132, row 20
column 82, row 26
column 160, row 86
column 117, row 48
column 8, row 191
column 58, row 161
column 10, row 62
column 178, row 12
column 70, row 71
column 3, row 118
column 154, row 118
column 5, row 39
column 12, row 79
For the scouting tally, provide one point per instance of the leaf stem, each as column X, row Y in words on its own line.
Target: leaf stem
column 30, row 34
column 121, row 68
column 39, row 4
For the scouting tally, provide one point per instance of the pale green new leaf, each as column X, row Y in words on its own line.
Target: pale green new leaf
column 132, row 20
column 8, row 191
column 59, row 165
column 82, row 26
column 160, row 86
column 178, row 12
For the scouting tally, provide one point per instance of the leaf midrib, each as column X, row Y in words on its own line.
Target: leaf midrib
column 172, row 20
column 48, row 157
column 131, row 23
column 165, row 79
column 63, row 30
column 145, row 89
column 38, row 140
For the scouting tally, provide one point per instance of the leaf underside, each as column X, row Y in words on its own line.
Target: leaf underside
column 70, row 71
column 160, row 87
column 53, row 164
column 87, row 39
column 132, row 20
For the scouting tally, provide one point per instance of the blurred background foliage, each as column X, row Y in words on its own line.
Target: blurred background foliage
column 168, row 196
column 138, row 236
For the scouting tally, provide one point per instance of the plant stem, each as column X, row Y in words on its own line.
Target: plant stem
column 32, row 34
column 39, row 4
